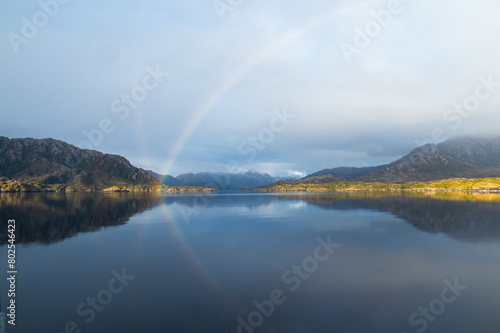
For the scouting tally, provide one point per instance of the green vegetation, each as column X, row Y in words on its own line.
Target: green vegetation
column 449, row 185
column 15, row 186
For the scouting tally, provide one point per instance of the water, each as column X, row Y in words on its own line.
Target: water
column 245, row 262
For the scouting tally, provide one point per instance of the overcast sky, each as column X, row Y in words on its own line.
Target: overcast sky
column 281, row 86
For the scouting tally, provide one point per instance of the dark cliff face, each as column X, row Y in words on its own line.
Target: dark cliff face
column 52, row 161
column 456, row 158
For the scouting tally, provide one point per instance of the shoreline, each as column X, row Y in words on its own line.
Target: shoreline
column 457, row 185
column 19, row 187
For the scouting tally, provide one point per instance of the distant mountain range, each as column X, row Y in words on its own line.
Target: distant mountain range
column 50, row 161
column 323, row 179
column 218, row 180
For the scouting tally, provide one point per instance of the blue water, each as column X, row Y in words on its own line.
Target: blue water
column 246, row 262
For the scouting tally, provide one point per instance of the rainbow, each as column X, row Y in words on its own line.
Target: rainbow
column 252, row 62
column 173, row 220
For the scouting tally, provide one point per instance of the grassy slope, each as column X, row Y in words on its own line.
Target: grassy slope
column 449, row 185
column 457, row 184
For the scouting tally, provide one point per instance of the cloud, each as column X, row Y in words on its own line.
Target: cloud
column 262, row 56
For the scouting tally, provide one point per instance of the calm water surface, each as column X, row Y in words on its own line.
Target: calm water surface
column 245, row 262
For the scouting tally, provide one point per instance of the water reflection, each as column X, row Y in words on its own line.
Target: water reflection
column 463, row 216
column 459, row 218
column 51, row 217
column 202, row 276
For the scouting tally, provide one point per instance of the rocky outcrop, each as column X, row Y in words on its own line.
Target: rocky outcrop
column 50, row 161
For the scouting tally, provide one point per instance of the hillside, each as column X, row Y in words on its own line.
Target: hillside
column 480, row 185
column 49, row 161
column 346, row 173
column 323, row 179
column 330, row 175
column 466, row 157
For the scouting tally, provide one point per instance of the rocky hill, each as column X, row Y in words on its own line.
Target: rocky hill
column 466, row 157
column 50, row 161
column 346, row 173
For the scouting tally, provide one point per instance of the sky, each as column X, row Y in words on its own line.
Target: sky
column 284, row 87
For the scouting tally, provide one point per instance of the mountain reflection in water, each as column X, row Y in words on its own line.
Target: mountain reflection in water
column 51, row 217
column 396, row 254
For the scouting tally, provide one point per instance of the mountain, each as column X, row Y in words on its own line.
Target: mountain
column 50, row 161
column 346, row 173
column 323, row 179
column 329, row 176
column 226, row 181
column 217, row 180
column 166, row 180
column 465, row 157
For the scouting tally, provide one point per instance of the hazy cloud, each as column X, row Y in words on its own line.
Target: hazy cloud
column 262, row 56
